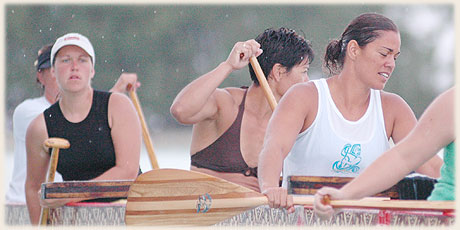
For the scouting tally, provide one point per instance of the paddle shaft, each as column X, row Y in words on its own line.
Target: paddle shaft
column 368, row 203
column 55, row 144
column 395, row 204
column 145, row 131
column 263, row 82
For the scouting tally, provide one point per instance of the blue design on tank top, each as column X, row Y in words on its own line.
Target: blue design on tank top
column 351, row 157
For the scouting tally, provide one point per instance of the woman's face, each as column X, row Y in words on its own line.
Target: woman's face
column 377, row 60
column 297, row 74
column 73, row 68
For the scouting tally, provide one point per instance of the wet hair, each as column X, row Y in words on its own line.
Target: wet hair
column 364, row 29
column 283, row 46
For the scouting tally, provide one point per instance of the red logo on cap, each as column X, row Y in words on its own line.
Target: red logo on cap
column 71, row 38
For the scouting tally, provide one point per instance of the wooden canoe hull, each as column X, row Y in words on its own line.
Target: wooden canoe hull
column 409, row 188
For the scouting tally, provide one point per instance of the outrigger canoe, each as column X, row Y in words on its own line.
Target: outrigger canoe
column 176, row 197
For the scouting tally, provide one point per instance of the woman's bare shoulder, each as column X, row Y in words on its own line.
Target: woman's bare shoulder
column 304, row 90
column 36, row 131
column 230, row 95
column 392, row 100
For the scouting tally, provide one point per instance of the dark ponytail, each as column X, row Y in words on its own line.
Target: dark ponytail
column 333, row 55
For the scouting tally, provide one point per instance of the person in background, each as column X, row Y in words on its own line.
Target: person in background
column 434, row 131
column 338, row 126
column 32, row 107
column 102, row 127
column 229, row 123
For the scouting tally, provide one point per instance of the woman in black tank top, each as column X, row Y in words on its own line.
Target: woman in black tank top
column 102, row 128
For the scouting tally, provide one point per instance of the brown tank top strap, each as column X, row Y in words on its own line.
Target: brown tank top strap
column 224, row 154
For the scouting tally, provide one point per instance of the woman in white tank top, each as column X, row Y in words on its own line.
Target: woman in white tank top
column 338, row 126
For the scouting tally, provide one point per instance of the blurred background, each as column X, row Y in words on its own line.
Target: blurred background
column 168, row 46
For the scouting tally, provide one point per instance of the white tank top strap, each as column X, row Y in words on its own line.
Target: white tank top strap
column 319, row 89
column 379, row 107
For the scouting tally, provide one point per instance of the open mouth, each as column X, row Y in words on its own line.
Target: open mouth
column 385, row 75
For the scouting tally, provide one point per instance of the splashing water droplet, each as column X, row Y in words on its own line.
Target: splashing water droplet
column 103, row 37
column 105, row 61
column 24, row 55
column 51, row 28
column 40, row 30
column 122, row 70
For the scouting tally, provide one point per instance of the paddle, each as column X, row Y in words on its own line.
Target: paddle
column 182, row 198
column 262, row 81
column 145, row 130
column 55, row 144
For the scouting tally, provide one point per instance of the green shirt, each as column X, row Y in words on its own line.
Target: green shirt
column 445, row 188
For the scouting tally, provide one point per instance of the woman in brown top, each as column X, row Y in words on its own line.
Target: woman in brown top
column 229, row 123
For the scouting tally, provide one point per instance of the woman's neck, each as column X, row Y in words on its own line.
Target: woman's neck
column 257, row 101
column 350, row 96
column 76, row 106
column 347, row 89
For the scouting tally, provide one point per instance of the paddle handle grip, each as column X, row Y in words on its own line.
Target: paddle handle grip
column 55, row 144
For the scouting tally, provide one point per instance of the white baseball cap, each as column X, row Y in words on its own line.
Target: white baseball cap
column 73, row 39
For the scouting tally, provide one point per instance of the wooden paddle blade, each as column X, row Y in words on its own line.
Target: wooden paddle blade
column 182, row 198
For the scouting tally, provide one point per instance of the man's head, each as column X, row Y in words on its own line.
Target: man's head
column 43, row 59
column 44, row 76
